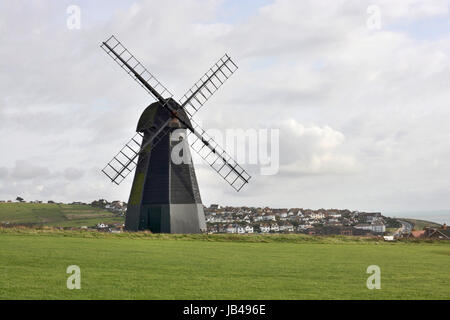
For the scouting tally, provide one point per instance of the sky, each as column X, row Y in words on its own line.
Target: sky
column 357, row 90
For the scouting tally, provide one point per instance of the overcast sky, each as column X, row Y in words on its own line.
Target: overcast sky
column 363, row 109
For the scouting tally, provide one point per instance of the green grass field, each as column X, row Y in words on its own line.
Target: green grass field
column 144, row 266
column 61, row 215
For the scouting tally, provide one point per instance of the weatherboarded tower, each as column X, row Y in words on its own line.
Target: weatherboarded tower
column 164, row 196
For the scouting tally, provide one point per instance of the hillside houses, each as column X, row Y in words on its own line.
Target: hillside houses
column 287, row 228
column 442, row 233
column 233, row 228
column 243, row 220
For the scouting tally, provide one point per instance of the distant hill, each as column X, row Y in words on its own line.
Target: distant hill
column 420, row 224
column 56, row 215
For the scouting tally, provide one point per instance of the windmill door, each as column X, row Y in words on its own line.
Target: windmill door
column 154, row 219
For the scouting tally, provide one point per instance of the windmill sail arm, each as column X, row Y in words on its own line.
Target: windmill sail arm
column 208, row 84
column 217, row 157
column 126, row 160
column 115, row 49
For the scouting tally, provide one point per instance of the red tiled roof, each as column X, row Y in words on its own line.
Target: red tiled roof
column 417, row 233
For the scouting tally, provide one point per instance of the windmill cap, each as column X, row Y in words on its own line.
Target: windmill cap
column 155, row 114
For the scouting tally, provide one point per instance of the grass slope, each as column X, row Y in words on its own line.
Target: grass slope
column 420, row 224
column 62, row 215
column 144, row 266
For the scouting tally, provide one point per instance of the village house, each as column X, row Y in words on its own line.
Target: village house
column 430, row 233
column 274, row 227
column 269, row 217
column 248, row 229
column 376, row 226
column 304, row 227
column 287, row 227
column 317, row 215
column 240, row 229
column 212, row 229
column 265, row 228
column 369, row 217
column 231, row 229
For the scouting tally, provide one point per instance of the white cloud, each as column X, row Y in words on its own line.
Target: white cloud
column 73, row 174
column 3, row 172
column 314, row 150
column 24, row 170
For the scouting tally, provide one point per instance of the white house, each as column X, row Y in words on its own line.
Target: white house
column 364, row 226
column 265, row 228
column 289, row 227
column 274, row 227
column 302, row 227
column 240, row 229
column 378, row 226
column 248, row 229
column 317, row 215
column 231, row 229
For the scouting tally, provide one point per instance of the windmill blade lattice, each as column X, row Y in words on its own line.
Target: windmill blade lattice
column 208, row 84
column 217, row 158
column 126, row 160
column 133, row 67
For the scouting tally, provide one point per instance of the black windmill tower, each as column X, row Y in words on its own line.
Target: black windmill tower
column 165, row 196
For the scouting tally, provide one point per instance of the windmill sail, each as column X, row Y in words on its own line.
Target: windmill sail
column 126, row 160
column 135, row 69
column 217, row 157
column 208, row 84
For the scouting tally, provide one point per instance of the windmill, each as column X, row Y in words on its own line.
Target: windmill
column 165, row 196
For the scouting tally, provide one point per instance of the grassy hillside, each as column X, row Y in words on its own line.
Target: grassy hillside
column 63, row 215
column 420, row 224
column 143, row 266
